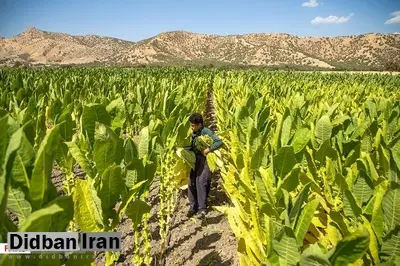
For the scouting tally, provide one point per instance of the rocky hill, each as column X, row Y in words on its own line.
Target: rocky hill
column 35, row 46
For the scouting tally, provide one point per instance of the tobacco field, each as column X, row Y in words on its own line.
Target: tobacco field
column 310, row 162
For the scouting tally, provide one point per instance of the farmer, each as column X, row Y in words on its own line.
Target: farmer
column 200, row 177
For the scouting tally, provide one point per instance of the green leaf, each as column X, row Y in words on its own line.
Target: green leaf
column 350, row 249
column 324, row 151
column 150, row 171
column 60, row 221
column 313, row 256
column 135, row 211
column 116, row 109
column 130, row 196
column 4, row 139
column 304, row 221
column 286, row 129
column 390, row 251
column 373, row 243
column 135, row 172
column 23, row 164
column 5, row 177
column 396, row 153
column 257, row 157
column 40, row 220
column 291, row 180
column 341, row 182
column 300, row 139
column 298, row 203
column 108, row 148
column 18, row 203
column 80, row 158
column 391, row 207
column 284, row 161
column 110, row 189
column 323, row 129
column 351, row 207
column 42, row 189
column 377, row 213
column 362, row 191
column 131, row 151
column 67, row 127
column 86, row 213
column 144, row 140
column 91, row 114
column 286, row 247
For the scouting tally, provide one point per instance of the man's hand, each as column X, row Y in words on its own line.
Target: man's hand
column 206, row 151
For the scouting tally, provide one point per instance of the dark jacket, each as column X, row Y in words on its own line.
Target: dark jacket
column 217, row 142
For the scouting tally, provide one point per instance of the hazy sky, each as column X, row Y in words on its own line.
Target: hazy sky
column 139, row 19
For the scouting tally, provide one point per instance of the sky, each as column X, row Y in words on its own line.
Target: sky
column 136, row 20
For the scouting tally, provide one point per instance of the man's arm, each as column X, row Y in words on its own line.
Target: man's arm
column 217, row 141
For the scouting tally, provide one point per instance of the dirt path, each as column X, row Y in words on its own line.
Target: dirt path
column 203, row 242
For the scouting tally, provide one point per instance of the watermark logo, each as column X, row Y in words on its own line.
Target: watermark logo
column 62, row 242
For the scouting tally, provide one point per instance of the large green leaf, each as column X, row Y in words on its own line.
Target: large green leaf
column 131, row 151
column 67, row 127
column 300, row 139
column 391, row 207
column 108, row 148
column 144, row 140
column 304, row 221
column 286, row 247
column 40, row 220
column 323, row 129
column 5, row 177
column 390, row 251
column 135, row 211
column 135, row 172
column 351, row 206
column 42, row 189
column 350, row 249
column 4, row 139
column 362, row 190
column 86, row 212
column 60, row 221
column 91, row 114
column 23, row 165
column 291, row 180
column 373, row 243
column 324, row 151
column 18, row 203
column 111, row 188
column 130, row 196
column 378, row 219
column 116, row 109
column 284, row 161
column 298, row 203
column 286, row 129
column 18, row 197
column 313, row 256
column 80, row 158
column 396, row 153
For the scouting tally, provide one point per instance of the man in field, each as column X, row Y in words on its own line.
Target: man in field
column 200, row 177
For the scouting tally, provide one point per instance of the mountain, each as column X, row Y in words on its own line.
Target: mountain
column 35, row 46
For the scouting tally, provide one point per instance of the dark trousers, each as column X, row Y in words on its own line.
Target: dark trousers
column 199, row 183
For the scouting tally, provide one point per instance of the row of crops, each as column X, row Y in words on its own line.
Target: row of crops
column 312, row 167
column 120, row 127
column 311, row 161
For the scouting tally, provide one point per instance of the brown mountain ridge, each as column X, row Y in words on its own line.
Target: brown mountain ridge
column 367, row 51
